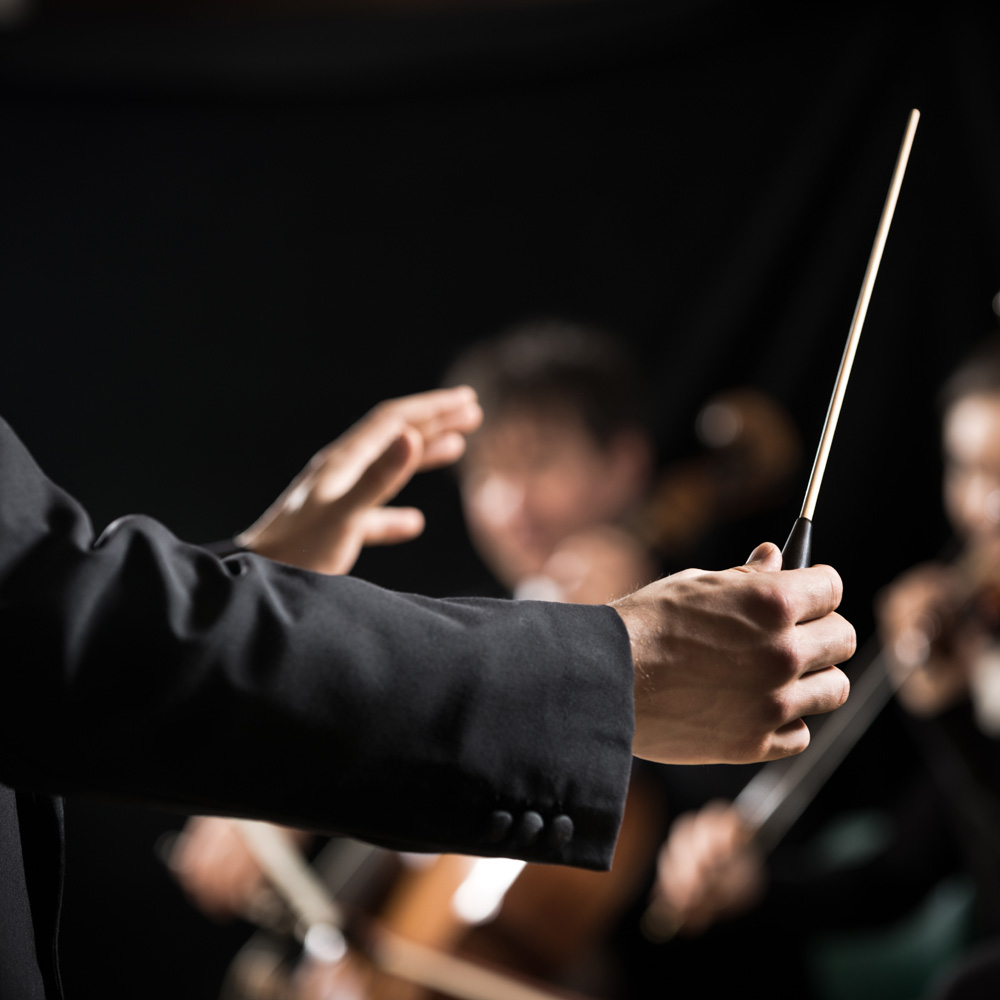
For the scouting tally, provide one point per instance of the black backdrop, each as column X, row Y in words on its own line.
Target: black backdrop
column 224, row 237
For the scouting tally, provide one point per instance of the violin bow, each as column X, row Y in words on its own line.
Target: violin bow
column 797, row 552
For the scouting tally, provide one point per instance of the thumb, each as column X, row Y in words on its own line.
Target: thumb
column 766, row 558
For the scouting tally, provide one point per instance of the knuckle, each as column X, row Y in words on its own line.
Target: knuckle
column 775, row 709
column 785, row 657
column 772, row 604
column 757, row 741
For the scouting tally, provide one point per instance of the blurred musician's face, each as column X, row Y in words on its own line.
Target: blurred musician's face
column 530, row 480
column 972, row 466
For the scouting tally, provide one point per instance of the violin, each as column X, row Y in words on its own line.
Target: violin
column 751, row 451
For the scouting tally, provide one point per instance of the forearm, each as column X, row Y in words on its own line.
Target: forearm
column 146, row 667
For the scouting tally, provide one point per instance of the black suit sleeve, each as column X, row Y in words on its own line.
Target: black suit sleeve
column 137, row 665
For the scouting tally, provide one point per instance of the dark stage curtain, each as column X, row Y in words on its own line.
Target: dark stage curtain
column 225, row 234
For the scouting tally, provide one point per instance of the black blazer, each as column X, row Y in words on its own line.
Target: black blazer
column 137, row 665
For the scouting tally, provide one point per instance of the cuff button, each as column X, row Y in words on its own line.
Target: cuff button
column 530, row 827
column 560, row 831
column 499, row 826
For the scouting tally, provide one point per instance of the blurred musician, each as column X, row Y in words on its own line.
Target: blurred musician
column 939, row 626
column 548, row 483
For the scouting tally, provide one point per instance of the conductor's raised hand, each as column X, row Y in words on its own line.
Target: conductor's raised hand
column 727, row 663
column 336, row 504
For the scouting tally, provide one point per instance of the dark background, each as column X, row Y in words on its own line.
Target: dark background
column 226, row 233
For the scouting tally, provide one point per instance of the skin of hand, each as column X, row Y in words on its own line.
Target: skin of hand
column 335, row 506
column 727, row 663
column 216, row 869
column 331, row 509
column 932, row 653
column 708, row 869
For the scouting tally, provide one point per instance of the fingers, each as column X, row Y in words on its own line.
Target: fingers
column 330, row 510
column 391, row 525
column 805, row 599
column 710, row 852
column 343, row 464
column 677, row 866
column 707, row 867
column 214, row 867
column 388, row 473
column 442, row 416
column 814, row 592
column 787, row 741
column 815, row 693
column 436, row 407
column 824, row 641
column 443, row 449
column 809, row 593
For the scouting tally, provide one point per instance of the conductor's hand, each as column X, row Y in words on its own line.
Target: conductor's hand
column 726, row 664
column 336, row 504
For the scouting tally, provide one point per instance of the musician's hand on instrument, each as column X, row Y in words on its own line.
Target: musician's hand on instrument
column 336, row 504
column 931, row 647
column 216, row 869
column 708, row 869
column 727, row 663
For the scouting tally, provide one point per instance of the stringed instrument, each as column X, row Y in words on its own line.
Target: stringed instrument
column 342, row 952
